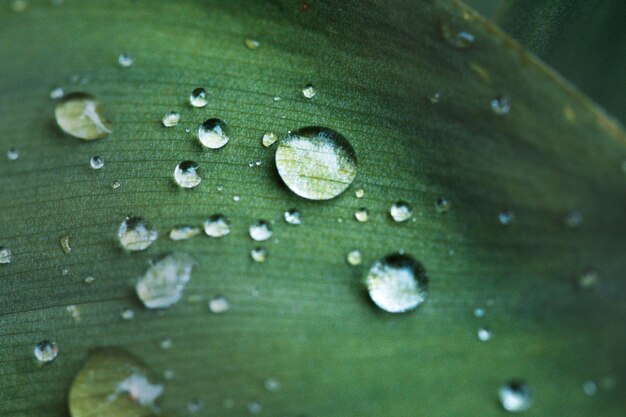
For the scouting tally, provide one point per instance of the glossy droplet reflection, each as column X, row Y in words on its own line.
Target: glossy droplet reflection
column 170, row 119
column 46, row 351
column 13, row 154
column 515, row 396
column 135, row 234
column 214, row 133
column 217, row 225
column 82, row 116
column 186, row 174
column 96, row 162
column 309, row 91
column 260, row 230
column 163, row 283
column 269, row 138
column 125, row 60
column 316, row 163
column 400, row 211
column 198, row 97
column 354, row 257
column 293, row 216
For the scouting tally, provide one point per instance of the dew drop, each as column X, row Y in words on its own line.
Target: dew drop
column 251, row 43
column 354, row 257
column 82, row 116
column 163, row 283
column 501, row 105
column 56, row 93
column 236, row 198
column 217, row 225
column 96, row 162
column 589, row 279
column 362, row 214
column 255, row 407
column 214, row 133
column 272, row 384
column 114, row 382
column 198, row 97
column 401, row 211
column 260, row 230
column 46, row 351
column 573, row 219
column 258, row 254
column 166, row 343
column 360, row 193
column 170, row 119
column 13, row 154
column 116, row 184
column 483, row 334
column 455, row 37
column 194, row 405
column 5, row 255
column 65, row 244
column 276, row 98
column 89, row 280
column 442, row 205
column 590, row 388
column 435, row 97
column 219, row 304
column 128, row 313
column 186, row 174
column 479, row 312
column 269, row 138
column 169, row 374
column 316, row 163
column 183, row 232
column 515, row 396
column 309, row 91
column 293, row 216
column 135, row 234
column 125, row 60
column 397, row 283
column 506, row 217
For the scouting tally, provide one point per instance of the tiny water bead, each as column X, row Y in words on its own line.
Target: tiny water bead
column 442, row 205
column 125, row 60
column 183, row 232
column 258, row 254
column 166, row 343
column 360, row 193
column 516, row 396
column 573, row 219
column 216, row 225
column 65, row 244
column 96, row 162
column 483, row 334
column 260, row 230
column 198, row 97
column 186, row 174
column 255, row 407
column 479, row 312
column 128, row 313
column 114, row 382
column 135, row 234
column 269, row 138
column 458, row 38
column 362, row 214
column 170, row 119
column 590, row 388
column 251, row 43
column 354, row 257
column 397, row 283
column 219, row 304
column 435, row 97
column 46, row 351
column 89, row 280
column 82, row 116
column 13, row 154
column 214, row 133
column 309, row 91
column 56, row 93
column 501, row 105
column 506, row 217
column 400, row 211
column 5, row 255
column 293, row 216
column 163, row 283
column 194, row 405
column 116, row 184
column 316, row 163
column 272, row 385
column 588, row 279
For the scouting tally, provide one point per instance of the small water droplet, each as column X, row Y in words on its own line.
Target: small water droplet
column 217, row 225
column 506, row 217
column 269, row 138
column 272, row 384
column 198, row 97
column 258, row 254
column 260, row 230
column 255, row 407
column 219, row 304
column 573, row 219
column 56, row 93
column 293, row 216
column 170, row 119
column 116, row 184
column 96, row 162
column 186, row 174
column 590, row 388
column 401, row 211
column 89, row 280
column 5, row 255
column 13, row 154
column 515, row 396
column 316, row 163
column 442, row 205
column 479, row 312
column 435, row 97
column 362, row 214
column 397, row 283
column 163, row 283
column 82, row 116
column 166, row 343
column 183, row 232
column 74, row 312
column 128, row 313
column 354, row 257
column 276, row 98
column 65, row 271
column 135, row 234
column 251, row 43
column 360, row 193
column 194, row 405
column 220, row 187
column 501, row 105
column 65, row 244
column 483, row 334
column 458, row 38
column 214, row 133
column 589, row 279
column 125, row 60
column 19, row 6
column 46, row 351
column 309, row 91
column 169, row 374
column 236, row 198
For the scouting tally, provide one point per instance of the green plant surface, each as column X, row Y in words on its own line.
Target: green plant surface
column 584, row 40
column 304, row 317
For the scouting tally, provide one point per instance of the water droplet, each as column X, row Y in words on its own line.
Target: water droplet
column 258, row 254
column 65, row 244
column 573, row 219
column 89, row 280
column 135, row 234
column 46, row 351
column 219, row 304
column 293, row 216
column 501, row 105
column 506, row 217
column 13, row 154
column 217, row 226
column 96, row 162
column 515, row 396
column 308, row 91
column 455, row 37
column 19, row 6
column 170, row 119
column 186, row 174
column 116, row 184
column 220, row 187
column 214, row 133
column 316, row 163
column 251, row 43
column 128, row 313
column 401, row 211
column 362, row 214
column 113, row 382
column 269, row 138
column 276, row 98
column 82, row 116
column 194, row 405
column 74, row 312
column 198, row 97
column 442, row 205
column 435, row 97
column 236, row 198
column 166, row 343
column 125, row 60
column 255, row 407
column 5, row 255
column 483, row 334
column 163, row 283
column 360, row 193
column 56, row 93
column 183, row 232
column 260, row 230
column 397, row 283
column 589, row 279
column 354, row 257
column 590, row 388
column 479, row 312
column 272, row 385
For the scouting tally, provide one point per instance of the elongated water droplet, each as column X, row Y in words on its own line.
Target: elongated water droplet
column 483, row 334
column 501, row 105
column 13, row 154
column 214, row 133
column 293, row 216
column 442, row 205
column 186, row 174
column 96, row 162
column 163, row 283
column 125, row 60
column 89, row 280
column 316, row 162
column 217, row 225
column 269, row 138
column 219, row 304
column 5, row 255
column 354, row 257
column 401, row 211
column 114, row 382
column 362, row 214
column 198, row 97
column 135, row 234
column 516, row 396
column 46, row 351
column 56, row 93
column 170, row 119
column 65, row 244
column 258, row 254
column 397, row 283
column 309, row 91
column 251, row 43
column 506, row 217
column 183, row 232
column 260, row 230
column 458, row 38
column 82, row 116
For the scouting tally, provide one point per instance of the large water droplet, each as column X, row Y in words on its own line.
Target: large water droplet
column 293, row 216
column 260, row 230
column 125, row 60
column 198, row 97
column 96, row 162
column 217, row 226
column 401, row 211
column 515, row 396
column 219, row 304
column 46, row 351
column 458, row 38
column 135, row 234
column 114, row 382
column 269, row 138
column 170, row 119
column 5, row 255
column 397, row 283
column 501, row 105
column 309, row 91
column 183, row 232
column 214, row 133
column 82, row 116
column 186, row 174
column 316, row 162
column 163, row 283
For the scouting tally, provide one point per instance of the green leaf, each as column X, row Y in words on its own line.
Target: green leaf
column 303, row 316
column 584, row 40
